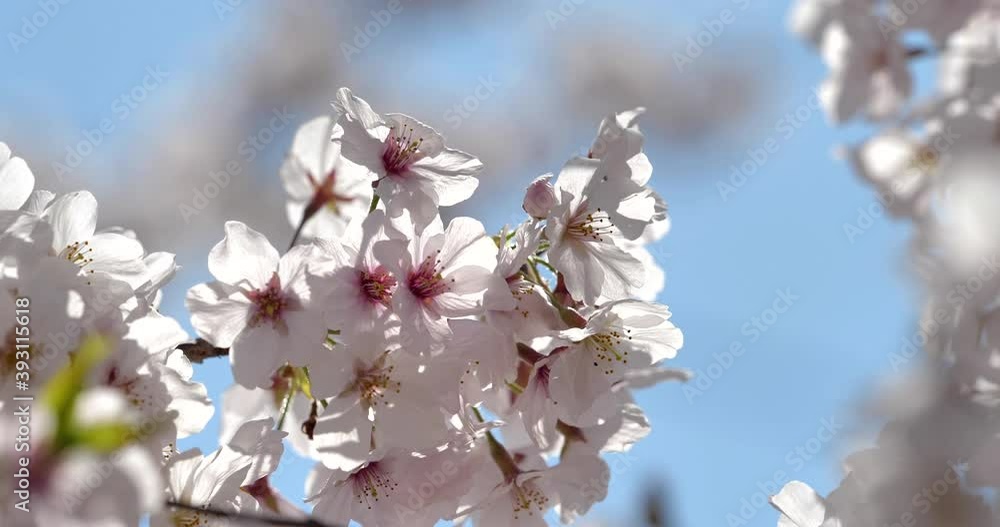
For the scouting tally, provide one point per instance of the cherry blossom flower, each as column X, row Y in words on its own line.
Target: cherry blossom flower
column 215, row 481
column 868, row 72
column 361, row 288
column 407, row 159
column 155, row 379
column 441, row 274
column 623, row 335
column 261, row 306
column 585, row 244
column 396, row 489
column 319, row 188
column 621, row 189
column 381, row 397
column 524, row 489
column 114, row 252
column 64, row 310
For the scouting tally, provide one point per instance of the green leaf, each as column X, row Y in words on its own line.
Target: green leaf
column 103, row 438
column 62, row 391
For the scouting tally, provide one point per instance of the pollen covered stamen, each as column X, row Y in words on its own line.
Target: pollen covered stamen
column 269, row 305
column 371, row 484
column 426, row 282
column 80, row 254
column 592, row 226
column 377, row 285
column 527, row 498
column 401, row 149
column 188, row 518
column 605, row 347
column 374, row 383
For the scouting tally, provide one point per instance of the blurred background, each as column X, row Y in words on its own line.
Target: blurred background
column 775, row 251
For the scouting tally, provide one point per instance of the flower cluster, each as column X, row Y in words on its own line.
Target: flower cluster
column 405, row 345
column 932, row 162
column 431, row 369
column 113, row 394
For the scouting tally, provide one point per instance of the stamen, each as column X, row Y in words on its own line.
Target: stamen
column 374, row 383
column 591, row 226
column 189, row 518
column 604, row 347
column 377, row 285
column 78, row 253
column 371, row 483
column 426, row 282
column 269, row 305
column 400, row 150
column 527, row 498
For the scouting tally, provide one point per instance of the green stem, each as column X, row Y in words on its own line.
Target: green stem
column 285, row 406
column 503, row 459
column 570, row 317
column 546, row 265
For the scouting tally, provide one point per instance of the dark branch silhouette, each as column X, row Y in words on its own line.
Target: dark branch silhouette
column 244, row 518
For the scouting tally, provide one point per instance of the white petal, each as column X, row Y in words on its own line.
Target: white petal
column 244, row 254
column 255, row 355
column 218, row 312
column 800, row 504
column 343, row 435
column 73, row 218
column 16, row 182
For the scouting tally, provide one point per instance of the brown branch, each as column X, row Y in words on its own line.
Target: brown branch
column 915, row 53
column 241, row 517
column 200, row 350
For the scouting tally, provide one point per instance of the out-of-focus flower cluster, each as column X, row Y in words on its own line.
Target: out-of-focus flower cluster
column 433, row 371
column 932, row 161
column 82, row 335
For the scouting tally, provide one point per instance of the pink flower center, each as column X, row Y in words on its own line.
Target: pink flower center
column 401, row 149
column 377, row 285
column 269, row 305
column 371, row 483
column 542, row 378
column 426, row 282
column 324, row 194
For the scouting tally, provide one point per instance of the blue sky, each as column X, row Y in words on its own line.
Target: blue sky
column 727, row 257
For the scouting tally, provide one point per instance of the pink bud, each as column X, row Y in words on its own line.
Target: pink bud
column 540, row 197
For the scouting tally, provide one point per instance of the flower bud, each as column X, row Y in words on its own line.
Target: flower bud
column 540, row 197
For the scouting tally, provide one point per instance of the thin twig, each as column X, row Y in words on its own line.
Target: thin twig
column 298, row 230
column 252, row 518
